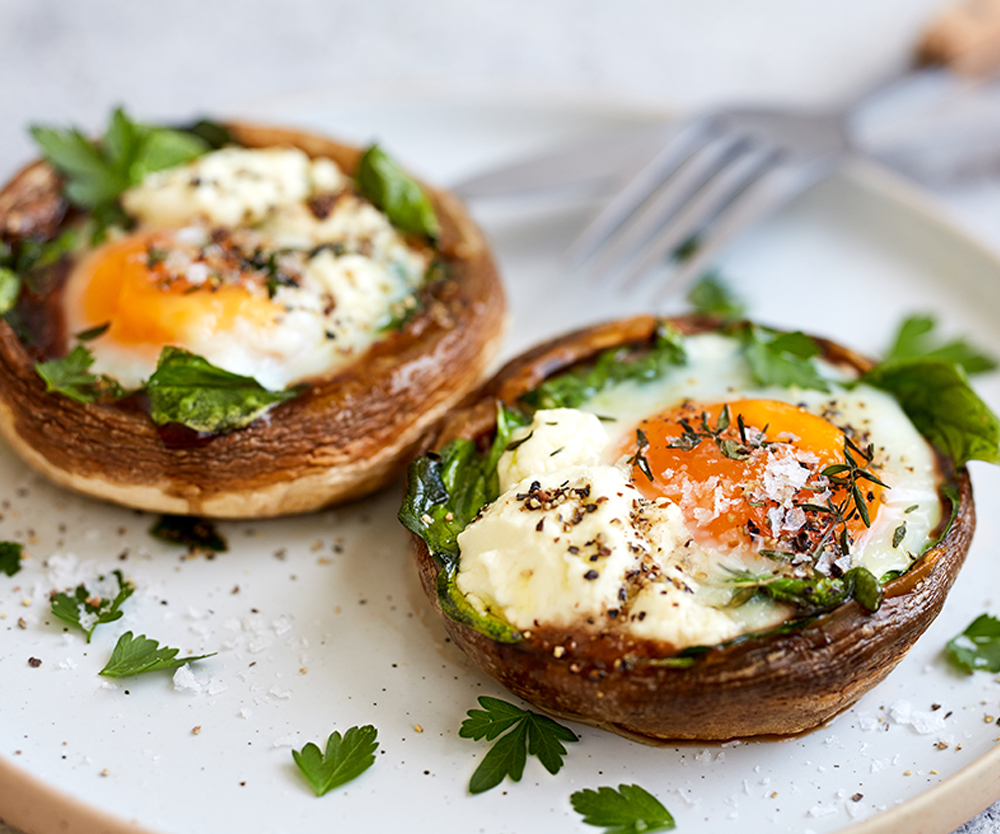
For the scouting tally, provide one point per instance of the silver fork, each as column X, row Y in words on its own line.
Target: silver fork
column 723, row 172
column 717, row 175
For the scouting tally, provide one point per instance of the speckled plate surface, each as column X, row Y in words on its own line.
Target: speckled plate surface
column 319, row 622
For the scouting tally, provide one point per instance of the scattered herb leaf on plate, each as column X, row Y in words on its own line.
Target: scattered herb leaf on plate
column 978, row 647
column 135, row 655
column 87, row 611
column 190, row 531
column 10, row 557
column 629, row 809
column 346, row 757
column 526, row 733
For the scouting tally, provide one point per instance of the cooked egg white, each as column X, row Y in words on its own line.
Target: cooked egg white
column 581, row 538
column 262, row 261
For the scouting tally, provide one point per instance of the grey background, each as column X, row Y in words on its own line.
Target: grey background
column 69, row 62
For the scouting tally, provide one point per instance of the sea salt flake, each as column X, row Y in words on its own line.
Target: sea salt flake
column 216, row 687
column 68, row 663
column 184, row 680
column 245, row 712
column 823, row 811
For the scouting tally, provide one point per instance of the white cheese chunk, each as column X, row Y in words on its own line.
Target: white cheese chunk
column 555, row 437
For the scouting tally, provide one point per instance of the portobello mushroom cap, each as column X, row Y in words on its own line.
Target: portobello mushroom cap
column 342, row 437
column 779, row 683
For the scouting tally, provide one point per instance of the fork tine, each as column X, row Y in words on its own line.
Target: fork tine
column 702, row 167
column 680, row 147
column 728, row 184
column 757, row 201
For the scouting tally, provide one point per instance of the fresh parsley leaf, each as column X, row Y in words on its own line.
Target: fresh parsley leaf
column 916, row 338
column 71, row 377
column 187, row 389
column 711, row 297
column 190, row 531
column 345, row 758
column 629, row 809
column 135, row 655
column 394, row 191
column 612, row 366
column 10, row 289
column 10, row 557
column 97, row 173
column 937, row 397
column 87, row 611
column 978, row 647
column 782, row 359
column 526, row 733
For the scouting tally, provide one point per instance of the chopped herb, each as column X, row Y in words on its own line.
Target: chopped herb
column 191, row 531
column 87, row 611
column 898, row 535
column 978, row 647
column 70, row 376
column 10, row 557
column 816, row 594
column 916, row 339
column 98, row 172
column 516, row 444
column 629, row 809
column 10, row 289
column 638, row 460
column 711, row 297
column 187, row 389
column 394, row 191
column 781, row 359
column 612, row 366
column 213, row 134
column 526, row 733
column 93, row 332
column 136, row 655
column 346, row 758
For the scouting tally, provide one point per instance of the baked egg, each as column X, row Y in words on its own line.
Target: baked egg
column 667, row 509
column 263, row 261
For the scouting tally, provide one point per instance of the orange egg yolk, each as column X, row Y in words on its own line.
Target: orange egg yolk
column 126, row 287
column 734, row 485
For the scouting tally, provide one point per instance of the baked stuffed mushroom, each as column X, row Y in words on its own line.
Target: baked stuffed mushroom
column 233, row 321
column 677, row 529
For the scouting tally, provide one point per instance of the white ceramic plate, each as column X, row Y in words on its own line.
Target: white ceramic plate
column 320, row 624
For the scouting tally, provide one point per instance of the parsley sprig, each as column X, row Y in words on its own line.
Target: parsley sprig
column 627, row 810
column 136, row 655
column 71, row 377
column 98, row 172
column 345, row 758
column 87, row 611
column 526, row 732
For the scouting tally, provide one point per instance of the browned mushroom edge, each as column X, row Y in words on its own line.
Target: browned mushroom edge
column 341, row 438
column 786, row 681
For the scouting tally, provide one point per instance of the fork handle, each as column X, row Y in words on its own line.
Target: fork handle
column 964, row 37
